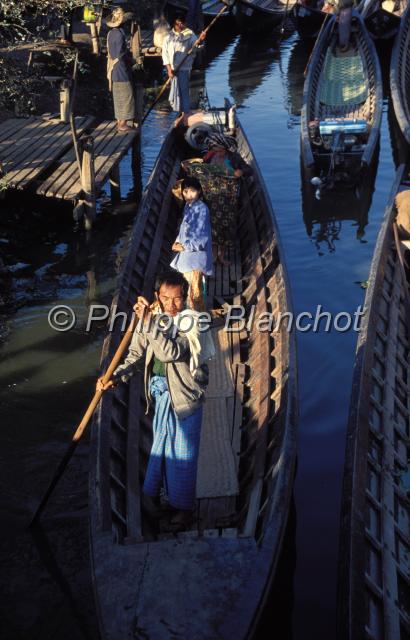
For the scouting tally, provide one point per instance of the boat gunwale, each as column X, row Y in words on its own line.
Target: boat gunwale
column 399, row 58
column 351, row 570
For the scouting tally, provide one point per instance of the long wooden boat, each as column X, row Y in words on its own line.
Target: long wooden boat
column 374, row 582
column 308, row 19
column 209, row 8
column 260, row 15
column 382, row 17
column 342, row 105
column 211, row 580
column 400, row 76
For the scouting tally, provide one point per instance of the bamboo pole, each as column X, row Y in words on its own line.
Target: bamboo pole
column 85, row 420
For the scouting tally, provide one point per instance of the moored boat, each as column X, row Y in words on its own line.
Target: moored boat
column 308, row 18
column 260, row 15
column 342, row 106
column 207, row 12
column 210, row 580
column 382, row 17
column 400, row 76
column 374, row 585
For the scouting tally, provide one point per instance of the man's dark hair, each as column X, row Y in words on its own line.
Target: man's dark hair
column 174, row 279
column 181, row 17
column 192, row 183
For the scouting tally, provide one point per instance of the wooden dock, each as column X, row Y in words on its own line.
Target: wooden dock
column 38, row 153
column 30, row 146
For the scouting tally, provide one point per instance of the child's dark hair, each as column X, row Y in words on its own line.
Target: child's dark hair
column 192, row 183
column 181, row 17
column 173, row 278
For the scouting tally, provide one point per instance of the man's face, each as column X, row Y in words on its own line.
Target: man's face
column 171, row 299
column 179, row 26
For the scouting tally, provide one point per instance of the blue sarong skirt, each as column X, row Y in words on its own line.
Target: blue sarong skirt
column 173, row 460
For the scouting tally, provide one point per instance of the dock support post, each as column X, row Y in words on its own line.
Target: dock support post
column 115, row 186
column 88, row 181
column 94, row 38
column 65, row 101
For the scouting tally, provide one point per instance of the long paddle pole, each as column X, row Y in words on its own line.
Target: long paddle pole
column 84, row 422
column 188, row 53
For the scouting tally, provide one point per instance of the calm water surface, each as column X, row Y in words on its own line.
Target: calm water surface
column 47, row 378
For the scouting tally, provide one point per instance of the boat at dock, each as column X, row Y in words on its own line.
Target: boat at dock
column 342, row 106
column 308, row 18
column 382, row 17
column 373, row 593
column 400, row 77
column 211, row 579
column 260, row 15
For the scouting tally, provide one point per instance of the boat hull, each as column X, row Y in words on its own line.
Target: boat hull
column 308, row 21
column 201, row 583
column 250, row 18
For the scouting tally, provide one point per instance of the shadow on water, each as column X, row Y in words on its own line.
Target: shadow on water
column 323, row 217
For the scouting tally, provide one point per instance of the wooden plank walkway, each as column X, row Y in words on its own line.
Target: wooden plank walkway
column 28, row 147
column 109, row 148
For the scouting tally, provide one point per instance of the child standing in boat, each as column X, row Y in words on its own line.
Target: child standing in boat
column 193, row 244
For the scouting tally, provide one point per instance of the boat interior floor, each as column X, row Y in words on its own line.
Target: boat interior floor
column 215, row 511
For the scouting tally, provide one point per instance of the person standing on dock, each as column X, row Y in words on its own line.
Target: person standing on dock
column 175, row 48
column 119, row 70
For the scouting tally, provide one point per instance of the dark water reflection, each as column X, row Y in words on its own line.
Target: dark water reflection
column 47, row 377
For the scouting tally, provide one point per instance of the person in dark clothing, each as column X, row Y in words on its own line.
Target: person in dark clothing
column 119, row 70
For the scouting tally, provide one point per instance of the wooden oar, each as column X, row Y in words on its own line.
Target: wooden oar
column 86, row 419
column 194, row 46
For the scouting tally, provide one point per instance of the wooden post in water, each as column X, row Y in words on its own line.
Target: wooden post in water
column 88, row 181
column 95, row 41
column 65, row 86
column 115, row 185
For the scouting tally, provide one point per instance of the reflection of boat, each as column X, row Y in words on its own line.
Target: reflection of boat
column 323, row 218
column 308, row 18
column 298, row 59
column 382, row 17
column 342, row 105
column 373, row 588
column 250, row 63
column 212, row 579
column 260, row 15
column 400, row 76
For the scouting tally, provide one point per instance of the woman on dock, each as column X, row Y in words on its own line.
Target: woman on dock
column 119, row 70
column 194, row 243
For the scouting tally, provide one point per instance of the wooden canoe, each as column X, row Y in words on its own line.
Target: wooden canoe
column 400, row 76
column 308, row 19
column 211, row 580
column 374, row 583
column 260, row 15
column 382, row 18
column 209, row 8
column 342, row 105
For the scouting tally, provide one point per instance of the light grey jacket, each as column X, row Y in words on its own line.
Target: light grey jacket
column 186, row 390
